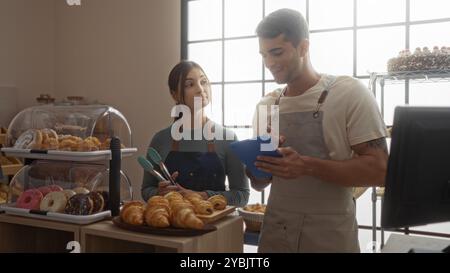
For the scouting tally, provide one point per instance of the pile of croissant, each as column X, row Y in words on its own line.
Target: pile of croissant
column 173, row 210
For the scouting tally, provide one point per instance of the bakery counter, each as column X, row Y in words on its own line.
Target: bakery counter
column 21, row 234
column 106, row 237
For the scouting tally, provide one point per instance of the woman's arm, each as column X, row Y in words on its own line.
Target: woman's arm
column 239, row 191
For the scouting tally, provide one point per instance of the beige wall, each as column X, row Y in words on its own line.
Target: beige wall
column 120, row 52
column 116, row 51
column 27, row 48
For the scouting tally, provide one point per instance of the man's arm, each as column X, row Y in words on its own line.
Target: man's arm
column 368, row 168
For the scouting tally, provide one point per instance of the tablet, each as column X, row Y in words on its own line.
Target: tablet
column 248, row 150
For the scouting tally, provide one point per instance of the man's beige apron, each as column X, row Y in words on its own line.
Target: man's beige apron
column 307, row 214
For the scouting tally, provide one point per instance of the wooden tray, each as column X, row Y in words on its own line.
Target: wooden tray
column 216, row 215
column 12, row 169
column 170, row 231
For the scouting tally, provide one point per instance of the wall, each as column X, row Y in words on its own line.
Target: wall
column 27, row 49
column 120, row 53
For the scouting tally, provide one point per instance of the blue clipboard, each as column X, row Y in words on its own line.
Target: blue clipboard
column 248, row 150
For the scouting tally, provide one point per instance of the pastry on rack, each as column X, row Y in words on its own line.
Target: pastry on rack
column 49, row 139
column 133, row 213
column 30, row 139
column 219, row 202
column 157, row 213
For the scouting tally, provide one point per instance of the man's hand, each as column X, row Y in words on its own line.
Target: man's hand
column 291, row 165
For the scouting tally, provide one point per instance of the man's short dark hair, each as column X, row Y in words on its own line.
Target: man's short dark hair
column 289, row 22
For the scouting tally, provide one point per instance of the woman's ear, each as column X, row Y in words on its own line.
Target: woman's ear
column 175, row 96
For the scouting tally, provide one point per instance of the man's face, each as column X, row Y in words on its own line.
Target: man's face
column 281, row 58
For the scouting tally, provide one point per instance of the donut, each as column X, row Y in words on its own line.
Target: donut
column 105, row 196
column 69, row 193
column 98, row 201
column 30, row 199
column 79, row 204
column 47, row 189
column 81, row 190
column 54, row 201
column 30, row 139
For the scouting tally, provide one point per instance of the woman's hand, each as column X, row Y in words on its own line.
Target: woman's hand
column 165, row 187
column 291, row 165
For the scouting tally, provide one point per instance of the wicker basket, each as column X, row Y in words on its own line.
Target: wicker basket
column 252, row 220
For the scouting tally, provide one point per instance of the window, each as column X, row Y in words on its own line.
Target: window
column 351, row 37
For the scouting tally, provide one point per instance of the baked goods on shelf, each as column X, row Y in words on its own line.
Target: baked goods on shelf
column 421, row 59
column 4, row 192
column 48, row 139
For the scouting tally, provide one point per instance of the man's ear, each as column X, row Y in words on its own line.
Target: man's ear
column 303, row 48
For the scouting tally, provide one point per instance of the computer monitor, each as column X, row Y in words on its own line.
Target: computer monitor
column 417, row 189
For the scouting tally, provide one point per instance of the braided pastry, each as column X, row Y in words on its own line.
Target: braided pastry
column 219, row 202
column 200, row 206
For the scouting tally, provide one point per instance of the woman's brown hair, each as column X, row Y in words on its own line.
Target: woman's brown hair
column 177, row 77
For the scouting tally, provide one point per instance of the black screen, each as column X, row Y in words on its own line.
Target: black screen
column 418, row 177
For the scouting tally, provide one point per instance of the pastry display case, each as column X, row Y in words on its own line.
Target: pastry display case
column 72, row 169
column 68, row 191
column 74, row 132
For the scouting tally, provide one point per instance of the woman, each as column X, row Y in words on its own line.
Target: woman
column 196, row 165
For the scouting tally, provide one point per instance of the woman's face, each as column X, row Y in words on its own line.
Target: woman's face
column 196, row 85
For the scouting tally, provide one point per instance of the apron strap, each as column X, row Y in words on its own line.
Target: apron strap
column 210, row 143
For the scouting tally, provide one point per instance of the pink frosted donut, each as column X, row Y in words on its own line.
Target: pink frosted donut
column 30, row 199
column 50, row 188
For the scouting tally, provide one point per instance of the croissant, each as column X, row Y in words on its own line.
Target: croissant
column 184, row 217
column 173, row 195
column 182, row 212
column 158, row 212
column 219, row 202
column 133, row 213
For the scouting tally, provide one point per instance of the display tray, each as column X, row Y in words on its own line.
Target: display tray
column 53, row 216
column 216, row 215
column 169, row 231
column 65, row 155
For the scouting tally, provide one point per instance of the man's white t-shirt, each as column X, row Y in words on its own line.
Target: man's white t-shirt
column 350, row 113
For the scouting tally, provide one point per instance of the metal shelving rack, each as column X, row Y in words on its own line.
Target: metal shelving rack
column 406, row 77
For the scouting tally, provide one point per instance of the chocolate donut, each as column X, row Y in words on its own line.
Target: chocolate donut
column 98, row 201
column 105, row 195
column 79, row 204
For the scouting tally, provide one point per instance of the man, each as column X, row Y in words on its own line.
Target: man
column 332, row 139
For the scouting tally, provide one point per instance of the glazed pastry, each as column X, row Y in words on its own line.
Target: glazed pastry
column 79, row 204
column 30, row 139
column 69, row 193
column 157, row 213
column 81, row 190
column 30, row 199
column 98, row 201
column 55, row 201
column 49, row 140
column 200, row 206
column 87, row 146
column 133, row 213
column 219, row 202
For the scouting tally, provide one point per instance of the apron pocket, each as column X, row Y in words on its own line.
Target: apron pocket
column 281, row 232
